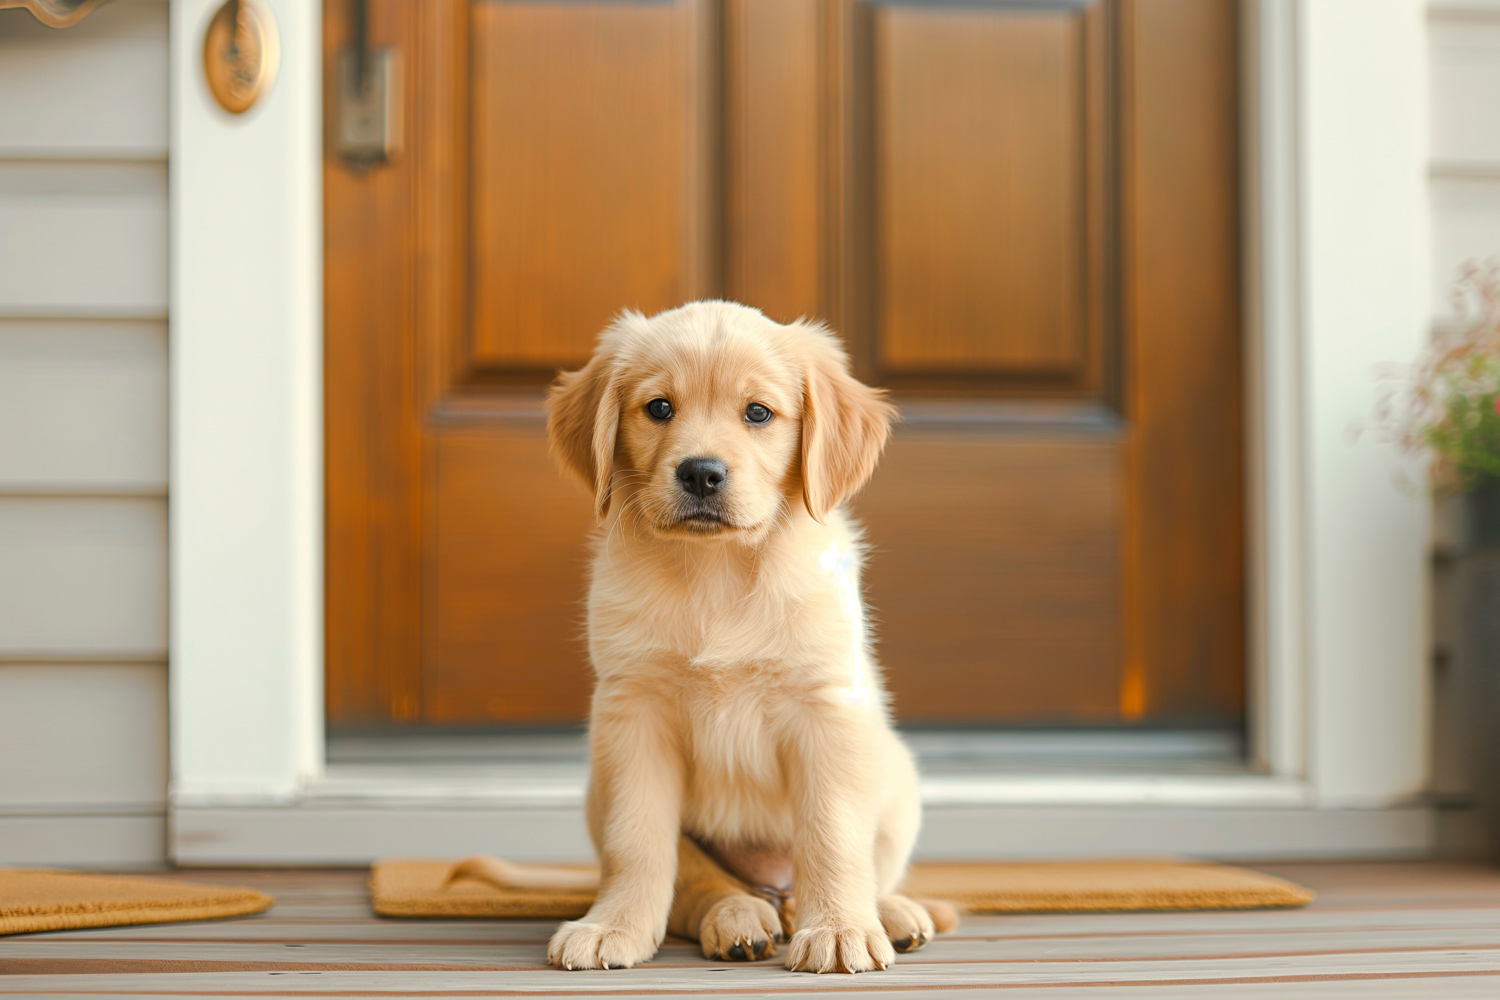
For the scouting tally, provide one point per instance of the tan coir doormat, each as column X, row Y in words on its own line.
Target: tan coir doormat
column 411, row 887
column 40, row 900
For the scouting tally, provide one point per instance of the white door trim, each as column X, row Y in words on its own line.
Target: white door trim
column 1337, row 279
column 1277, row 654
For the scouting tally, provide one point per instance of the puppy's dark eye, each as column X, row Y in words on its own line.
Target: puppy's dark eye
column 757, row 413
column 659, row 409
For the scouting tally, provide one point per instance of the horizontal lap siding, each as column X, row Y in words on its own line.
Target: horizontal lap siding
column 83, row 577
column 83, row 239
column 1465, row 116
column 91, row 733
column 83, row 437
column 83, row 407
column 96, row 90
column 1465, row 83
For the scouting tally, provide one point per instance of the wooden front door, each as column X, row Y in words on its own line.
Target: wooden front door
column 1021, row 216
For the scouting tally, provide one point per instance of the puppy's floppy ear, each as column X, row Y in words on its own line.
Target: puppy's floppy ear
column 583, row 417
column 845, row 424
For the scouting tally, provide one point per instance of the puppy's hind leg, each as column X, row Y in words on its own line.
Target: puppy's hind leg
column 719, row 910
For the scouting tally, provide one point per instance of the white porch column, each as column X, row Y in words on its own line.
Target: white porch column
column 1362, row 80
column 246, row 368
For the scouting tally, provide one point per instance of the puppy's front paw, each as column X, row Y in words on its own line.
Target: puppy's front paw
column 907, row 923
column 739, row 927
column 839, row 947
column 580, row 945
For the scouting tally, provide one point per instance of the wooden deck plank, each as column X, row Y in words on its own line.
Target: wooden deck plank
column 277, row 973
column 1395, row 989
column 1359, row 990
column 768, row 980
column 1142, row 927
column 947, row 949
column 1378, row 989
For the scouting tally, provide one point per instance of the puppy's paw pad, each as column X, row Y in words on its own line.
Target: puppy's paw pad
column 839, row 948
column 907, row 923
column 741, row 928
column 580, row 945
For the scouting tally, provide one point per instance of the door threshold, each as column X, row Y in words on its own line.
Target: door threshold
column 958, row 767
column 1116, row 750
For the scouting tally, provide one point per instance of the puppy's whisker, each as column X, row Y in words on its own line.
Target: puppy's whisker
column 631, row 505
column 646, row 507
column 779, row 521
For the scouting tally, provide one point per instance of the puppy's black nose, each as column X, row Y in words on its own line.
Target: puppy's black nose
column 702, row 476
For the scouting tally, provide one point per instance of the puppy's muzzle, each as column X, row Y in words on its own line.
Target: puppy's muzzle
column 702, row 477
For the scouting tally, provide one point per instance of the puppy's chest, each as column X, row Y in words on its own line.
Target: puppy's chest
column 736, row 788
column 730, row 727
column 728, row 626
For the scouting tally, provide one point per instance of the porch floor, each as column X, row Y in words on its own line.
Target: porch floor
column 1416, row 929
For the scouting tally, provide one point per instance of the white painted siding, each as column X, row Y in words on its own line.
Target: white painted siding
column 98, row 89
column 1465, row 87
column 83, row 437
column 83, row 239
column 90, row 733
column 83, row 407
column 1464, row 63
column 1465, row 227
column 83, row 577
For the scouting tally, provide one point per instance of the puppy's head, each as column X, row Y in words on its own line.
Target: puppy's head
column 711, row 420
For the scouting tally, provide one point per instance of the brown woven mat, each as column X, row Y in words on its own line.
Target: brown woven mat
column 413, row 887
column 1102, row 884
column 41, row 900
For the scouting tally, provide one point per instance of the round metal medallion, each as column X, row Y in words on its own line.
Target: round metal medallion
column 239, row 54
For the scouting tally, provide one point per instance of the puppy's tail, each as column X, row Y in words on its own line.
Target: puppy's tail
column 943, row 913
column 504, row 875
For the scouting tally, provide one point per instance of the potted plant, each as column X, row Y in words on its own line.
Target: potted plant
column 1446, row 409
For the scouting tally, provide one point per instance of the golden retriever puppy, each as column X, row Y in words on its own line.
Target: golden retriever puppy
column 739, row 733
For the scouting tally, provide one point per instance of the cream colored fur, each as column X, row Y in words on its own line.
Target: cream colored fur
column 737, row 702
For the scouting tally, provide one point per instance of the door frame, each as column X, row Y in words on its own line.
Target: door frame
column 1337, row 281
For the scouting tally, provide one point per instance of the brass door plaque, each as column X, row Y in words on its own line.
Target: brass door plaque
column 239, row 54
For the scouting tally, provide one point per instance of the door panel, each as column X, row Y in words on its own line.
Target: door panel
column 775, row 177
column 373, row 439
column 1022, row 218
column 994, row 577
column 978, row 223
column 979, row 124
column 506, row 636
column 1185, row 564
column 591, row 190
